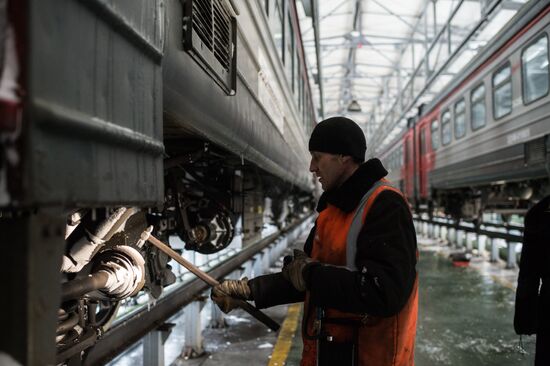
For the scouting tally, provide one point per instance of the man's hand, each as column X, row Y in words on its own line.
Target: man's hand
column 293, row 270
column 226, row 294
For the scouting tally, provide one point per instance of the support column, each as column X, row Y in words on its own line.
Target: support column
column 512, row 257
column 153, row 345
column 217, row 318
column 460, row 236
column 247, row 271
column 266, row 260
column 469, row 241
column 494, row 249
column 192, row 328
column 153, row 349
column 452, row 237
column 32, row 247
column 481, row 239
column 258, row 265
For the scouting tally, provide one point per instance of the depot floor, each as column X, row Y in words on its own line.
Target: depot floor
column 465, row 318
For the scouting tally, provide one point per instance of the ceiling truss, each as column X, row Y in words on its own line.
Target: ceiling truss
column 390, row 72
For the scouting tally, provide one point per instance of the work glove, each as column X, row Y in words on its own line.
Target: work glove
column 293, row 270
column 228, row 293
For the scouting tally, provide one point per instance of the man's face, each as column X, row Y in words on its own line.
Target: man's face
column 329, row 168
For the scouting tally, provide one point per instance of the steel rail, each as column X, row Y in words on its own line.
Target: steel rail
column 480, row 231
column 127, row 332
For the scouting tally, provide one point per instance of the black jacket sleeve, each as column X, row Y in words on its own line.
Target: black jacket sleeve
column 273, row 289
column 386, row 259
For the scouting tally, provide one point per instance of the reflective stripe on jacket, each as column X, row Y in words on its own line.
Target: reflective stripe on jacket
column 379, row 341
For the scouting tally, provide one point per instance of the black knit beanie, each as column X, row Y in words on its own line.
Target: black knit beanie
column 339, row 135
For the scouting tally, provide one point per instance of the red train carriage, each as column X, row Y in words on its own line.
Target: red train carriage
column 483, row 144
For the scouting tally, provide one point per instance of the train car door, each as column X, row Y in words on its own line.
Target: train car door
column 422, row 166
column 409, row 166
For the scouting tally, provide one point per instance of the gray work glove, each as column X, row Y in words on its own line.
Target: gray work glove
column 293, row 271
column 227, row 294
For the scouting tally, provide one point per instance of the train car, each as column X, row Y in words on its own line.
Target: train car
column 185, row 115
column 392, row 159
column 483, row 144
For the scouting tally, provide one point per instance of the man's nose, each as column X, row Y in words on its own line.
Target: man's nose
column 312, row 167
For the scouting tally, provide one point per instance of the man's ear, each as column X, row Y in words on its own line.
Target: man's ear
column 344, row 158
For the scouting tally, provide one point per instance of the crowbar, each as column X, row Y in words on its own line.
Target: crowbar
column 246, row 306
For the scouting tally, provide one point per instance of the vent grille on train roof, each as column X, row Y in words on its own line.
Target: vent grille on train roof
column 210, row 37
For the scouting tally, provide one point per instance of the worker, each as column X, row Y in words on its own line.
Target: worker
column 533, row 290
column 356, row 274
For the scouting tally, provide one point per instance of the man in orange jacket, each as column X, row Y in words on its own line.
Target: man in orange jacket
column 357, row 274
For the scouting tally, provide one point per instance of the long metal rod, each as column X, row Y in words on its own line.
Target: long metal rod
column 315, row 17
column 270, row 323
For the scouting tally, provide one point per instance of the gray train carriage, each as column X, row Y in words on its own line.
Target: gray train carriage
column 483, row 145
column 251, row 103
column 115, row 115
column 488, row 145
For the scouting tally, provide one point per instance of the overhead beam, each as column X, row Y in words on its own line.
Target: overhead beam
column 330, row 13
column 315, row 19
column 367, row 35
column 394, row 14
column 345, row 94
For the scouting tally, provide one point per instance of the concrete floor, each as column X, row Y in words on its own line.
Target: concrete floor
column 244, row 342
column 466, row 314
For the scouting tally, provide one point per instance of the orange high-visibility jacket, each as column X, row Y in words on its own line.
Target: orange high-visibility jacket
column 380, row 341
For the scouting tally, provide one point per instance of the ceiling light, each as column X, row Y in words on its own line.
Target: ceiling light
column 354, row 106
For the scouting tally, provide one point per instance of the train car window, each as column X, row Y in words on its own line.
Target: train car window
column 477, row 101
column 446, row 131
column 534, row 69
column 460, row 119
column 435, row 135
column 289, row 52
column 502, row 91
column 277, row 27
